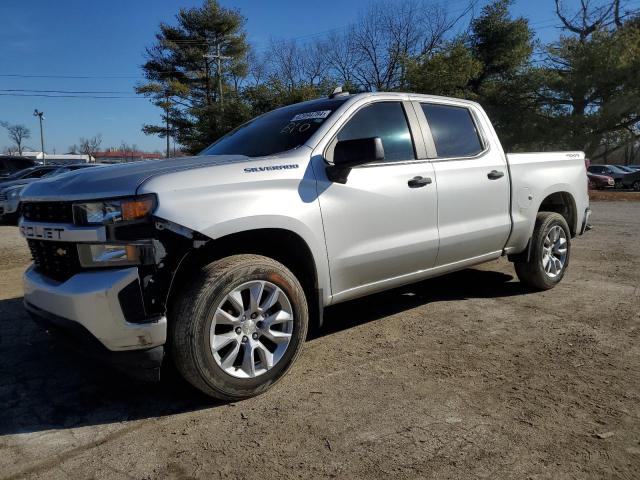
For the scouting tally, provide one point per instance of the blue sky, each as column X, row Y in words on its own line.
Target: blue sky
column 105, row 40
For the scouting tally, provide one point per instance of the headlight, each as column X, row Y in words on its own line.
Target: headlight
column 14, row 192
column 113, row 255
column 113, row 211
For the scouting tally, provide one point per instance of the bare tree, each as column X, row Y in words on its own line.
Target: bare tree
column 130, row 152
column 436, row 22
column 90, row 146
column 258, row 68
column 590, row 17
column 342, row 57
column 284, row 62
column 376, row 63
column 384, row 38
column 18, row 134
column 314, row 62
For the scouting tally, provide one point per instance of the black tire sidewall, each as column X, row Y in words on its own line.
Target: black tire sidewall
column 212, row 374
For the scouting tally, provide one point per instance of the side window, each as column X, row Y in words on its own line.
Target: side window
column 453, row 130
column 387, row 121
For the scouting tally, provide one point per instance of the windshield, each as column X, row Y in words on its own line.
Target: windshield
column 19, row 174
column 277, row 131
column 55, row 172
column 615, row 169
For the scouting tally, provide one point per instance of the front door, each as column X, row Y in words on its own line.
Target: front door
column 381, row 224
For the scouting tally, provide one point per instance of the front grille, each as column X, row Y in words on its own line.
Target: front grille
column 57, row 212
column 3, row 197
column 56, row 260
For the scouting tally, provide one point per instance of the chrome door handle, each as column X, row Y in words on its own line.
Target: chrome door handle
column 417, row 182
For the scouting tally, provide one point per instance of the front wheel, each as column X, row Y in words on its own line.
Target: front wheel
column 550, row 251
column 237, row 328
column 636, row 185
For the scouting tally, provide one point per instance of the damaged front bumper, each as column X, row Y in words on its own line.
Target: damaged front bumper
column 97, row 305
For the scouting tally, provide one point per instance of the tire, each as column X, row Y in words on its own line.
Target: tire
column 636, row 185
column 211, row 302
column 533, row 272
column 618, row 184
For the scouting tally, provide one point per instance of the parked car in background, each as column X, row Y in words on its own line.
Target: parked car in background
column 10, row 191
column 634, row 168
column 10, row 164
column 626, row 168
column 28, row 173
column 622, row 178
column 600, row 182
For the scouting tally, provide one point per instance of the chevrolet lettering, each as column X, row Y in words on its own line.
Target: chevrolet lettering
column 41, row 232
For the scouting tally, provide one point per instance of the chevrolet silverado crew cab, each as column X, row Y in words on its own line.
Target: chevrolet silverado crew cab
column 222, row 261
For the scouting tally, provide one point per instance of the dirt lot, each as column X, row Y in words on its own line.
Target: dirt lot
column 466, row 376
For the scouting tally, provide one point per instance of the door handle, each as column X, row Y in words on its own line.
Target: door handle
column 417, row 182
column 495, row 174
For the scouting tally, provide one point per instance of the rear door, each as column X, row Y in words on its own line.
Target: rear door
column 473, row 183
column 381, row 224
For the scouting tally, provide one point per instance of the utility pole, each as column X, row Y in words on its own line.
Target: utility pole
column 36, row 113
column 219, row 57
column 166, row 111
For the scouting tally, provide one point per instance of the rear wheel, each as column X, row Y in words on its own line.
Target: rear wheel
column 239, row 326
column 550, row 251
column 636, row 185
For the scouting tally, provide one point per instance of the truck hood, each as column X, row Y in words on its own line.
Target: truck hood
column 117, row 180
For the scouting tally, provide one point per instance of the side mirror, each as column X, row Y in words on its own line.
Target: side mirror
column 351, row 153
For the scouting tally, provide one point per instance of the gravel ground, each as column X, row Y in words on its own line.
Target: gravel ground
column 465, row 376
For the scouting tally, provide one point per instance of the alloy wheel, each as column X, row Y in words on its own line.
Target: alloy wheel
column 251, row 329
column 554, row 251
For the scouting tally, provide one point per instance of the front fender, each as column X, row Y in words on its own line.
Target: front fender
column 227, row 200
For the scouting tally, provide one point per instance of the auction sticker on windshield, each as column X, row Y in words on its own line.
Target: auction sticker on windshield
column 311, row 115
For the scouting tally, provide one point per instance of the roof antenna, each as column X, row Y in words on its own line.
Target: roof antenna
column 337, row 92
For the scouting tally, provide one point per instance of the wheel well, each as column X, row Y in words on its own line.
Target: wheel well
column 564, row 204
column 283, row 246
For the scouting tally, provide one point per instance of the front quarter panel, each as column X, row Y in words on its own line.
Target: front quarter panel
column 271, row 192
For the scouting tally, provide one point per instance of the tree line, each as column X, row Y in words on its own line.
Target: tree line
column 580, row 91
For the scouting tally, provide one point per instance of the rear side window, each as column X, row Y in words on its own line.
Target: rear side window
column 387, row 121
column 453, row 130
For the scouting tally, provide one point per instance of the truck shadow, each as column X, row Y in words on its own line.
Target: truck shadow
column 44, row 386
column 465, row 284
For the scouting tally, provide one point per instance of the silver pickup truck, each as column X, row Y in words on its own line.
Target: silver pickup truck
column 221, row 262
